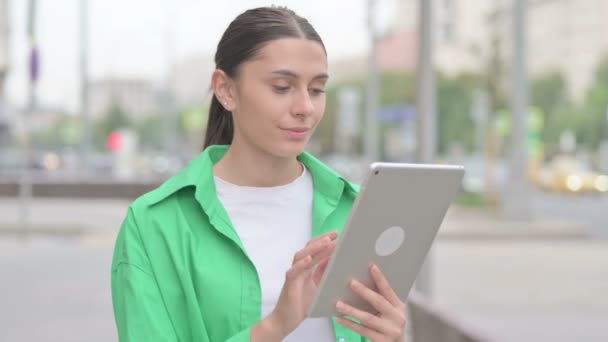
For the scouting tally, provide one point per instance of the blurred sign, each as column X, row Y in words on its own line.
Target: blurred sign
column 115, row 141
column 536, row 123
column 534, row 128
column 397, row 113
column 34, row 64
column 70, row 132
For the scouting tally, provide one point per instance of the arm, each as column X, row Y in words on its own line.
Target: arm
column 139, row 310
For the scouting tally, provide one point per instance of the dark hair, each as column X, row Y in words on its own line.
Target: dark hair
column 243, row 38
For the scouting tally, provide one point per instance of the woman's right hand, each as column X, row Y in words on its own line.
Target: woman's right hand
column 301, row 283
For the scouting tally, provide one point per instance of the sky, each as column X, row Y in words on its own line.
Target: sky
column 142, row 37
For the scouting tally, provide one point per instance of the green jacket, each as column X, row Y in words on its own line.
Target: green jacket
column 180, row 271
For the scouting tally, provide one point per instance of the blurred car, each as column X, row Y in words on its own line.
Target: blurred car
column 566, row 174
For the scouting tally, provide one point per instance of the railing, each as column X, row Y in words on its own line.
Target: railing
column 429, row 323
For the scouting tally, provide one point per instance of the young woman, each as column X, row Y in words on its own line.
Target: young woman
column 233, row 247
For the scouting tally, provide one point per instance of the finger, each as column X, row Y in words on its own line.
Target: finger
column 313, row 249
column 332, row 236
column 384, row 287
column 299, row 268
column 365, row 318
column 307, row 262
column 324, row 253
column 374, row 323
column 320, row 270
column 376, row 300
column 359, row 329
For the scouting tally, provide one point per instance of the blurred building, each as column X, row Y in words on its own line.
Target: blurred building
column 396, row 51
column 461, row 37
column 137, row 98
column 191, row 80
column 569, row 36
column 42, row 118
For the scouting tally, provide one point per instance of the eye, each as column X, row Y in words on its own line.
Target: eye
column 280, row 89
column 316, row 91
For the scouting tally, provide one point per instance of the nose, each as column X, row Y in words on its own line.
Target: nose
column 302, row 104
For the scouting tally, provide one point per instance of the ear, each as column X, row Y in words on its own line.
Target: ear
column 223, row 88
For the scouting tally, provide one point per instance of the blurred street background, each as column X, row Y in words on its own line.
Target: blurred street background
column 101, row 101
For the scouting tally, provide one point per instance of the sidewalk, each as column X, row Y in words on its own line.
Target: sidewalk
column 104, row 217
column 49, row 216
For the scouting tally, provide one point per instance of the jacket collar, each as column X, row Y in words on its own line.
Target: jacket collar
column 199, row 174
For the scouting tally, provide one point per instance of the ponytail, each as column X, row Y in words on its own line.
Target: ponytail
column 219, row 125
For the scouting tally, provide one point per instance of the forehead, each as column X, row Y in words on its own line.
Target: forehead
column 302, row 56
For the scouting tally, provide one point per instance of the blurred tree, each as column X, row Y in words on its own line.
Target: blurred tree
column 593, row 125
column 327, row 127
column 397, row 88
column 493, row 66
column 454, row 100
column 549, row 92
column 65, row 131
column 150, row 132
column 45, row 140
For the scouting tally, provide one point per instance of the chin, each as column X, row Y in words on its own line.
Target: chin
column 288, row 149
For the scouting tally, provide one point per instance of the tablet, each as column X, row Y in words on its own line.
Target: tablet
column 392, row 223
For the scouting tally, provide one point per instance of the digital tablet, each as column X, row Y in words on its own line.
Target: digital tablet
column 392, row 223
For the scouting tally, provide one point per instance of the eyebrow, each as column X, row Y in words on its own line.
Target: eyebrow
column 291, row 74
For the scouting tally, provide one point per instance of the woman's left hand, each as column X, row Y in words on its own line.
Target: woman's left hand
column 388, row 325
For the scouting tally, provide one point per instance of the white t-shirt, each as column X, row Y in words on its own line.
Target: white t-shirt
column 274, row 223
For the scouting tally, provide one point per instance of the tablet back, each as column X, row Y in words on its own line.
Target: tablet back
column 393, row 223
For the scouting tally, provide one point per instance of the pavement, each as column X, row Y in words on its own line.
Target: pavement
column 525, row 290
column 540, row 280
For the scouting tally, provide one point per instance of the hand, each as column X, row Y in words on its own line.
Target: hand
column 301, row 283
column 386, row 325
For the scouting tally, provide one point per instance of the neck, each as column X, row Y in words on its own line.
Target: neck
column 248, row 166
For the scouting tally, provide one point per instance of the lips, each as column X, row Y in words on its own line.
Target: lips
column 296, row 133
column 297, row 129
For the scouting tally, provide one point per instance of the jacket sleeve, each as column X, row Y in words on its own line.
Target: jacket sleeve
column 139, row 309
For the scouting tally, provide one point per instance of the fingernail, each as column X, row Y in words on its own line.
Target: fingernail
column 340, row 305
column 374, row 268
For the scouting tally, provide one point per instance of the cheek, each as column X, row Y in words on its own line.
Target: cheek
column 320, row 109
column 261, row 114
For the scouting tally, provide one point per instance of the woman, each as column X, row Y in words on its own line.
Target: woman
column 233, row 247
